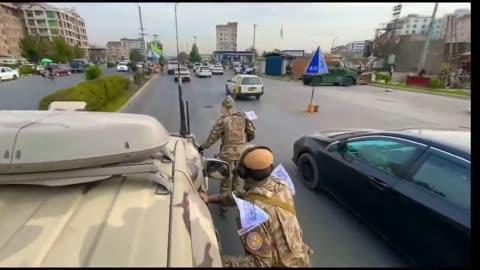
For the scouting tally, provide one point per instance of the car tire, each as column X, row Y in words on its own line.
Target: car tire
column 0, row 79
column 309, row 172
column 14, row 77
column 348, row 81
column 226, row 91
column 258, row 97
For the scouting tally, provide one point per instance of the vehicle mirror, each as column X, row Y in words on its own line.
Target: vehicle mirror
column 217, row 169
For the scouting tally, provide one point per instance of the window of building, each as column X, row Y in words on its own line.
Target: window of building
column 423, row 26
column 54, row 31
column 438, row 26
column 413, row 31
column 414, row 26
column 424, row 20
column 39, row 13
column 416, row 20
column 29, row 13
column 52, row 24
column 406, row 32
column 50, row 14
column 407, row 26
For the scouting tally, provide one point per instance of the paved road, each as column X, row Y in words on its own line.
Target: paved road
column 337, row 237
column 26, row 92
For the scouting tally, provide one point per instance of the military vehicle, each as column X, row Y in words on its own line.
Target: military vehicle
column 90, row 189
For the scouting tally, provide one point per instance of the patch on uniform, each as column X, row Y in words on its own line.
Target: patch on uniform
column 254, row 241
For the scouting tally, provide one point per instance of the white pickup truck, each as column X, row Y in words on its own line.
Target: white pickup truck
column 172, row 66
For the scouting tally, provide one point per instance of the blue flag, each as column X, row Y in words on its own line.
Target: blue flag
column 317, row 65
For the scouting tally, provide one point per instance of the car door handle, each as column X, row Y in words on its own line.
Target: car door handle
column 378, row 183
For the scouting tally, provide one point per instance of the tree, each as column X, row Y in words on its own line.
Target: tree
column 62, row 51
column 161, row 59
column 30, row 46
column 78, row 52
column 194, row 54
column 136, row 55
column 182, row 57
column 251, row 49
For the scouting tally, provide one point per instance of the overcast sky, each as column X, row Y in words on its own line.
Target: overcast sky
column 305, row 25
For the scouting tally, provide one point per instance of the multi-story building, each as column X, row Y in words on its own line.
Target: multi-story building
column 11, row 30
column 437, row 30
column 413, row 24
column 457, row 34
column 227, row 37
column 97, row 53
column 116, row 51
column 131, row 44
column 49, row 22
column 362, row 48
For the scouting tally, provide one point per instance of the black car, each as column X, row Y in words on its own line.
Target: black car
column 412, row 186
column 77, row 66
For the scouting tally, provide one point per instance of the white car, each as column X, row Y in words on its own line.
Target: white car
column 7, row 73
column 122, row 67
column 172, row 66
column 217, row 70
column 184, row 74
column 196, row 66
column 244, row 85
column 203, row 72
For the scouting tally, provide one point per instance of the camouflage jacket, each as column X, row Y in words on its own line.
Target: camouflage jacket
column 277, row 242
column 234, row 130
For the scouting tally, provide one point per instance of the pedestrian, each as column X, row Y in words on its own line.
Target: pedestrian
column 277, row 242
column 235, row 130
column 391, row 71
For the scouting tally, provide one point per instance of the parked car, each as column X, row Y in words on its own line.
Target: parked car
column 412, row 186
column 8, row 60
column 184, row 74
column 122, row 67
column 7, row 73
column 203, row 72
column 217, row 70
column 196, row 66
column 244, row 86
column 111, row 64
column 58, row 70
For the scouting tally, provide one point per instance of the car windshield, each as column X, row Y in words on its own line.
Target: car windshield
column 251, row 81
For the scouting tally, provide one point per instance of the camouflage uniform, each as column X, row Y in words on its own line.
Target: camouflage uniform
column 234, row 130
column 277, row 242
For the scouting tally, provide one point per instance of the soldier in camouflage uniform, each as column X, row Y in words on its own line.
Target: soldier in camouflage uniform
column 235, row 130
column 279, row 241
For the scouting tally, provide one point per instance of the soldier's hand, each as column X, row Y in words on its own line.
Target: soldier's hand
column 204, row 197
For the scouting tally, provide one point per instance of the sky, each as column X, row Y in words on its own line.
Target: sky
column 305, row 25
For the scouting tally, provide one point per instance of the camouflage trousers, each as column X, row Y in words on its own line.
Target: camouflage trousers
column 233, row 182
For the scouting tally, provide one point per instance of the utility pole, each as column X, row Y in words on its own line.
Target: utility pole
column 253, row 48
column 155, row 37
column 423, row 57
column 142, row 34
column 194, row 39
column 396, row 14
column 333, row 42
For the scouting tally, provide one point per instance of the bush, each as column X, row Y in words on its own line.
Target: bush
column 435, row 83
column 382, row 77
column 138, row 77
column 96, row 93
column 24, row 70
column 93, row 73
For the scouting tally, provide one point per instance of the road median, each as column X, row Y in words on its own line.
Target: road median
column 105, row 94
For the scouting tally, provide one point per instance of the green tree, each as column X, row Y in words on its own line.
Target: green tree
column 78, row 52
column 62, row 51
column 182, row 57
column 161, row 59
column 136, row 55
column 194, row 54
column 30, row 46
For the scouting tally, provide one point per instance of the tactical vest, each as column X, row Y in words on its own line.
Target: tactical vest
column 234, row 126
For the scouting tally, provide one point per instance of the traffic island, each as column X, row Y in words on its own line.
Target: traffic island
column 105, row 94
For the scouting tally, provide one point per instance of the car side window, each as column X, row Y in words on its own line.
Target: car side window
column 446, row 179
column 387, row 155
column 9, row 69
column 2, row 70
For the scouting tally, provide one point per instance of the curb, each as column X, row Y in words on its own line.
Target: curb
column 137, row 93
column 422, row 92
column 278, row 79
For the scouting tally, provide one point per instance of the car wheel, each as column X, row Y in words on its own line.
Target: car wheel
column 0, row 79
column 348, row 81
column 258, row 97
column 309, row 171
column 14, row 77
column 226, row 91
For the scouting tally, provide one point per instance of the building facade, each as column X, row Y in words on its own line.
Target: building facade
column 438, row 28
column 49, row 22
column 132, row 44
column 413, row 24
column 116, row 50
column 97, row 54
column 11, row 30
column 227, row 37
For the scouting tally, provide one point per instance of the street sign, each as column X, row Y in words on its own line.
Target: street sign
column 317, row 65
